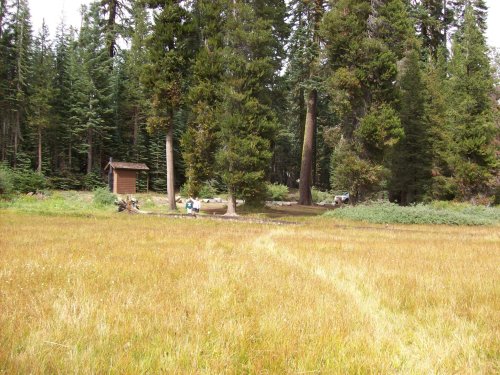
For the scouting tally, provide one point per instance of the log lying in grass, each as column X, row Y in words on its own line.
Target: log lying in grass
column 129, row 205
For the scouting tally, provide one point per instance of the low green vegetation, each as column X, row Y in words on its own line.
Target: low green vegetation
column 103, row 197
column 436, row 213
column 22, row 180
column 67, row 203
column 100, row 202
column 276, row 192
column 207, row 190
column 321, row 196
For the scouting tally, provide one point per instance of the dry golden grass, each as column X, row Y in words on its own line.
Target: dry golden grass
column 137, row 294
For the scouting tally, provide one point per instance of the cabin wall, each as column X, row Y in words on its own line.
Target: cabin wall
column 124, row 181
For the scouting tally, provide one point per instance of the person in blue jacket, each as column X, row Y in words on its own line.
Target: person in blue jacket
column 189, row 206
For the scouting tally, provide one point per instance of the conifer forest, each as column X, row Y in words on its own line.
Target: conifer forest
column 398, row 98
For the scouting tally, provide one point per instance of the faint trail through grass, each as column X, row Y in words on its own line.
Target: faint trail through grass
column 409, row 339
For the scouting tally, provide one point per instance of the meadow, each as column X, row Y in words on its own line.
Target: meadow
column 117, row 293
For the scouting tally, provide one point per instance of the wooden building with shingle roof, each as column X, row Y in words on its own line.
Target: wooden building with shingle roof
column 122, row 176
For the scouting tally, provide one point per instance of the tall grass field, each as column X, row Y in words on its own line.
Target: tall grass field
column 132, row 294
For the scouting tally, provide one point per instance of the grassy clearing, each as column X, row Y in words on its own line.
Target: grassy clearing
column 67, row 203
column 140, row 294
column 437, row 213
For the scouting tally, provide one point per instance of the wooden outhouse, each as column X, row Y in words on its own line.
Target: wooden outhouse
column 122, row 176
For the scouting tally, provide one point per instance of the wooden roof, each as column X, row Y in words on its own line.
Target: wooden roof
column 125, row 165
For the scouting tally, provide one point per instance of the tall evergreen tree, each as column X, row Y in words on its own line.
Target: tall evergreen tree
column 433, row 21
column 363, row 63
column 471, row 110
column 199, row 142
column 411, row 169
column 67, row 72
column 117, row 21
column 20, row 72
column 92, row 90
column 169, row 49
column 478, row 7
column 315, row 16
column 7, row 63
column 252, row 59
column 130, row 137
column 41, row 98
column 437, row 102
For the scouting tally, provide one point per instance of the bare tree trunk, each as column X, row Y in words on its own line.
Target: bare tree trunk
column 89, row 151
column 17, row 130
column 306, row 165
column 305, row 183
column 4, row 138
column 16, row 137
column 39, row 167
column 169, row 142
column 445, row 27
column 113, row 7
column 136, row 126
column 2, row 11
column 70, row 155
column 231, row 204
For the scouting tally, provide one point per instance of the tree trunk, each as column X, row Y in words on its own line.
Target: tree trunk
column 4, row 138
column 70, row 155
column 2, row 12
column 231, row 204
column 39, row 167
column 89, row 151
column 136, row 126
column 16, row 137
column 169, row 142
column 305, row 196
column 113, row 5
column 306, row 165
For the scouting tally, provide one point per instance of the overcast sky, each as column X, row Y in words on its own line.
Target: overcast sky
column 54, row 10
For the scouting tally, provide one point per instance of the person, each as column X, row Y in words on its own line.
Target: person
column 189, row 206
column 196, row 205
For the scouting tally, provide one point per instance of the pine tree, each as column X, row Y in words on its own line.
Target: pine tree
column 311, row 92
column 362, row 88
column 434, row 77
column 471, row 109
column 164, row 76
column 7, row 64
column 67, row 75
column 114, row 10
column 433, row 21
column 41, row 113
column 199, row 142
column 92, row 90
column 411, row 169
column 247, row 122
column 20, row 73
column 478, row 7
column 135, row 58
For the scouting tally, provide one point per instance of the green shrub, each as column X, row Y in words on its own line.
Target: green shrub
column 208, row 190
column 321, row 196
column 6, row 180
column 183, row 191
column 26, row 181
column 93, row 181
column 276, row 192
column 103, row 197
column 385, row 213
column 66, row 182
column 496, row 199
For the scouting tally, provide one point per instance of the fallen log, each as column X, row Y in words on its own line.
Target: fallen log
column 129, row 205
